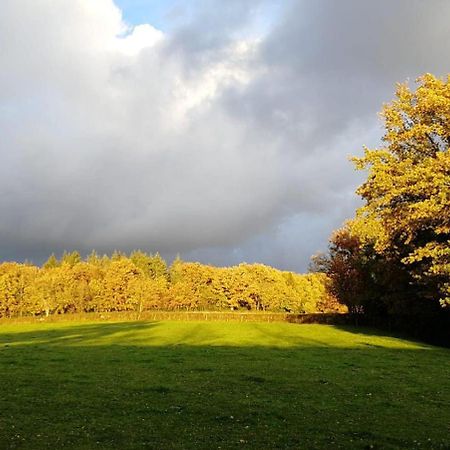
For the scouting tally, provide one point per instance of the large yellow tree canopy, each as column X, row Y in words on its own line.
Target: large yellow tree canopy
column 407, row 193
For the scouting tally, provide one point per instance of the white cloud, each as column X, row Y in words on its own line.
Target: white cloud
column 136, row 39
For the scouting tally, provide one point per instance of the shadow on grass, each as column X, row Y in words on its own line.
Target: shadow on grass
column 155, row 385
column 367, row 330
column 71, row 334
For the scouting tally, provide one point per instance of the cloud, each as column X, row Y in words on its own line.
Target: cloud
column 221, row 139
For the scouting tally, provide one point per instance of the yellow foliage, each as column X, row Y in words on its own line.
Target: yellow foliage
column 407, row 193
column 142, row 282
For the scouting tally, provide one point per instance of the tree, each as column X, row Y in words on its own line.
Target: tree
column 116, row 293
column 406, row 215
column 346, row 267
column 70, row 259
column 51, row 262
column 45, row 291
column 14, row 280
column 152, row 266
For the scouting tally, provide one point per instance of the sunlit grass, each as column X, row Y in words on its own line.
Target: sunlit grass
column 199, row 334
column 216, row 384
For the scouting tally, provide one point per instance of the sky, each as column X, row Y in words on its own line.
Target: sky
column 220, row 131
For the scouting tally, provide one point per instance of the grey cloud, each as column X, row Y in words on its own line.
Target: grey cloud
column 350, row 53
column 206, row 27
column 170, row 150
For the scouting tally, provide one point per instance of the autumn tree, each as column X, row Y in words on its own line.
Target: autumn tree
column 347, row 269
column 45, row 292
column 152, row 266
column 115, row 293
column 406, row 215
column 51, row 262
column 14, row 281
column 70, row 258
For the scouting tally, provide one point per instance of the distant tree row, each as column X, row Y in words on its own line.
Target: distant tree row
column 141, row 282
column 393, row 257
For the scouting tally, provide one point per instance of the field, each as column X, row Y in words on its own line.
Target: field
column 210, row 385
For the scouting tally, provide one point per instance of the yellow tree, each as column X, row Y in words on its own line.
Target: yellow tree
column 192, row 285
column 45, row 292
column 147, row 293
column 14, row 280
column 114, row 292
column 406, row 214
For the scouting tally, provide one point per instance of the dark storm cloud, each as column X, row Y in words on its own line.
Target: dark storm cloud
column 224, row 139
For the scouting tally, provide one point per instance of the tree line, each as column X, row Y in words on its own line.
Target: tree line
column 141, row 282
column 393, row 257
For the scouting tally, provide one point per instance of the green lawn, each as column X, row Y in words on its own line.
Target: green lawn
column 209, row 385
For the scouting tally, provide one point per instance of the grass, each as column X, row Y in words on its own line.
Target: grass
column 209, row 385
